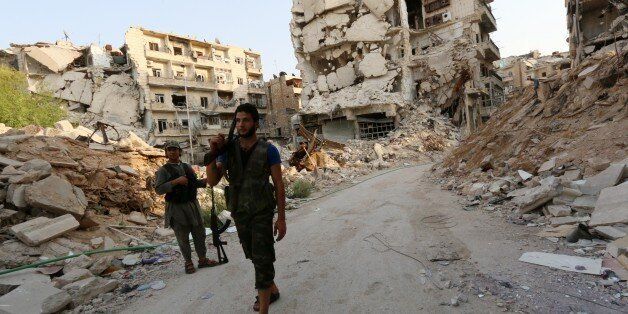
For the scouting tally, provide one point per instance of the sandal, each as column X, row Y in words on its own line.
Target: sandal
column 273, row 297
column 189, row 268
column 206, row 262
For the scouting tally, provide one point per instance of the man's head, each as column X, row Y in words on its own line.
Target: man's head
column 173, row 150
column 247, row 120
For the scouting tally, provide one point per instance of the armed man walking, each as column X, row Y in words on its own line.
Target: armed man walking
column 247, row 164
column 178, row 182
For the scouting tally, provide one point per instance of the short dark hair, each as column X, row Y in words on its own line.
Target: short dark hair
column 250, row 109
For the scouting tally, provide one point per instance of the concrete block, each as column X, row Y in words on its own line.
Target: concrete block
column 584, row 203
column 537, row 196
column 30, row 224
column 604, row 179
column 612, row 206
column 618, row 247
column 48, row 230
column 610, row 232
column 559, row 210
column 557, row 221
column 80, row 262
column 73, row 275
column 101, row 147
column 34, row 297
column 84, row 290
column 56, row 195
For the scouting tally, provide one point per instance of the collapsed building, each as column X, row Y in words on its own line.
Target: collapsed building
column 90, row 78
column 284, row 95
column 190, row 88
column 364, row 62
column 518, row 72
column 595, row 24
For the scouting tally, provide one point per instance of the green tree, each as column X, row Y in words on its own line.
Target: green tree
column 19, row 107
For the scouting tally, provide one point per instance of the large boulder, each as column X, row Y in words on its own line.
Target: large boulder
column 57, row 196
column 537, row 196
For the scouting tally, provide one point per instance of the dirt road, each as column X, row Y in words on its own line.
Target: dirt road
column 368, row 249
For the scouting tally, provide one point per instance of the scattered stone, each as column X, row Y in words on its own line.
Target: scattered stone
column 101, row 147
column 548, row 165
column 537, row 196
column 10, row 162
column 28, row 224
column 617, row 247
column 557, row 221
column 34, row 297
column 486, row 163
column 561, row 231
column 162, row 232
column 126, row 169
column 21, row 277
column 81, row 262
column 73, row 275
column 56, row 195
column 37, row 165
column 571, row 175
column 158, row 285
column 47, row 230
column 137, row 218
column 610, row 232
column 131, row 259
column 28, row 177
column 607, row 178
column 97, row 242
column 109, row 243
column 612, row 206
column 101, row 264
column 564, row 262
column 64, row 125
column 84, row 290
column 559, row 210
column 584, row 203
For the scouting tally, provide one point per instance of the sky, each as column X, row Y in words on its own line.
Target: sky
column 262, row 25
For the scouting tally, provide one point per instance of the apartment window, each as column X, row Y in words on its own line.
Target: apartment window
column 159, row 98
column 240, row 81
column 239, row 60
column 199, row 53
column 204, row 102
column 153, row 46
column 178, row 101
column 179, row 74
column 178, row 51
column 544, row 74
column 200, row 78
column 162, row 125
column 185, row 123
column 157, row 72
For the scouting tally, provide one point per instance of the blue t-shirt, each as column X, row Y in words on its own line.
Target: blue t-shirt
column 272, row 154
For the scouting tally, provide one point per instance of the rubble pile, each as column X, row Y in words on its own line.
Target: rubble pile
column 556, row 162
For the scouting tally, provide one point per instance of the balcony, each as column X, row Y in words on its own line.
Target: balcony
column 254, row 71
column 257, row 88
column 490, row 51
column 175, row 81
column 493, row 79
column 488, row 21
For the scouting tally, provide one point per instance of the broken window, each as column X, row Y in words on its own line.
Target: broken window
column 415, row 14
column 162, row 125
column 160, row 98
column 374, row 126
column 435, row 5
column 178, row 51
column 178, row 101
column 240, row 81
column 153, row 46
column 434, row 20
column 204, row 102
column 185, row 123
column 214, row 120
column 157, row 72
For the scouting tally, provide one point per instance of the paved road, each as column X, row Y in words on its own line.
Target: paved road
column 366, row 249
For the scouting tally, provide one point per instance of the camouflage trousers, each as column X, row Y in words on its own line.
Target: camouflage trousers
column 256, row 236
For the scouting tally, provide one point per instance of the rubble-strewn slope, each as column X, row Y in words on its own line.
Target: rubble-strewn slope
column 580, row 119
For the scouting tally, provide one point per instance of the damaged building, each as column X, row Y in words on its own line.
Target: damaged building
column 518, row 72
column 209, row 77
column 284, row 95
column 365, row 63
column 89, row 78
column 594, row 25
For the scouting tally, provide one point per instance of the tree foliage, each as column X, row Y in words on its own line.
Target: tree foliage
column 19, row 107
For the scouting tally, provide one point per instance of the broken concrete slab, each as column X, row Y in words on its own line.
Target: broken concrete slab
column 561, row 231
column 162, row 232
column 126, row 169
column 101, row 147
column 537, row 196
column 24, row 276
column 81, row 262
column 37, row 165
column 16, row 195
column 607, row 178
column 571, row 175
column 10, row 162
column 564, row 262
column 34, row 297
column 64, row 125
column 617, row 247
column 137, row 218
column 29, row 177
column 548, row 165
column 559, row 210
column 33, row 223
column 73, row 275
column 38, row 234
column 557, row 221
column 610, row 232
column 57, row 196
column 584, row 203
column 525, row 176
column 84, row 290
column 611, row 206
column 101, row 264
column 588, row 70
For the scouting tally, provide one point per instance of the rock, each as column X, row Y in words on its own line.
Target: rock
column 584, row 203
column 162, row 232
column 537, row 196
column 607, row 178
column 28, row 177
column 559, row 210
column 477, row 189
column 157, row 285
column 21, row 277
column 525, row 176
column 84, row 290
column 131, row 259
column 598, row 164
column 557, row 221
column 548, row 165
column 108, row 243
column 497, row 186
column 379, row 151
column 16, row 195
column 617, row 247
column 97, row 242
column 10, row 162
column 137, row 218
column 37, row 165
column 152, row 153
column 101, row 147
column 101, row 264
column 609, row 232
column 29, row 224
column 571, row 175
column 81, row 261
column 64, row 125
column 57, row 196
column 47, row 230
column 612, row 206
column 9, row 216
column 126, row 169
column 34, row 297
column 487, row 163
column 588, row 70
column 88, row 220
column 569, row 192
column 73, row 275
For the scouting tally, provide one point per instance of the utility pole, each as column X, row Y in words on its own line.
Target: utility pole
column 187, row 109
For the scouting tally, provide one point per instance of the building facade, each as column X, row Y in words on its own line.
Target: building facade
column 361, row 61
column 518, row 72
column 284, row 95
column 191, row 87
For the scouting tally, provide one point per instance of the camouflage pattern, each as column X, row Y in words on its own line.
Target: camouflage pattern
column 256, row 237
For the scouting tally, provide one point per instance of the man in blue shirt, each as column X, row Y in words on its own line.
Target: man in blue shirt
column 247, row 163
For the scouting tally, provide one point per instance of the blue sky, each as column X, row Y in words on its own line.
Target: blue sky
column 262, row 25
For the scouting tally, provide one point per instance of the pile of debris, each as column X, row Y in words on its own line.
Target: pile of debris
column 557, row 161
column 61, row 195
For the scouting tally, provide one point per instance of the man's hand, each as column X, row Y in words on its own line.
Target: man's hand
column 182, row 180
column 217, row 143
column 280, row 229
